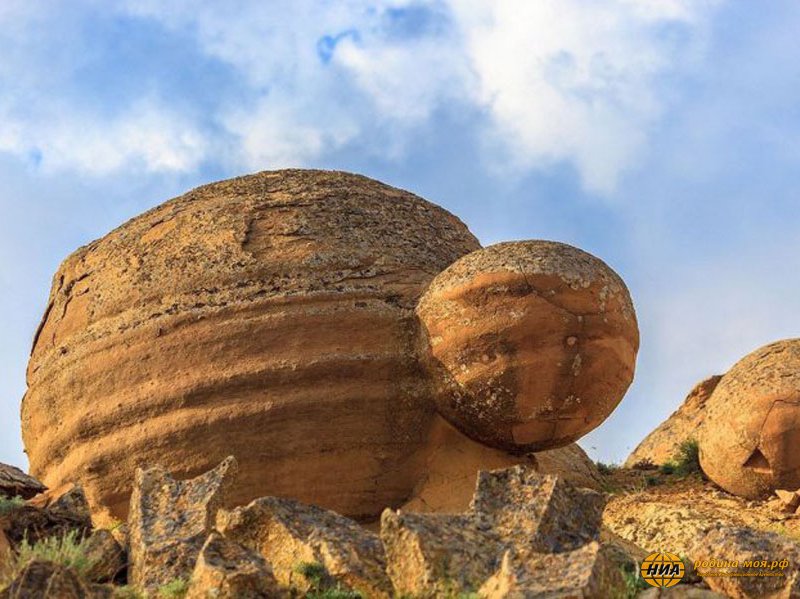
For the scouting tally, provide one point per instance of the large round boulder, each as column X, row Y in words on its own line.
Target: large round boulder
column 750, row 436
column 532, row 343
column 270, row 317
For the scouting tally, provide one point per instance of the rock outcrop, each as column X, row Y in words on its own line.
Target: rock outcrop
column 749, row 438
column 288, row 534
column 524, row 535
column 663, row 443
column 15, row 483
column 269, row 317
column 226, row 570
column 107, row 558
column 47, row 580
column 280, row 317
column 453, row 461
column 52, row 514
column 533, row 343
column 171, row 520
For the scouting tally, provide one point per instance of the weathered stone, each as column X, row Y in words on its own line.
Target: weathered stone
column 226, row 570
column 585, row 572
column 515, row 509
column 663, row 443
column 749, row 437
column 15, row 483
column 5, row 553
column 47, row 580
column 533, row 343
column 789, row 499
column 540, row 513
column 52, row 514
column 434, row 555
column 170, row 521
column 656, row 524
column 107, row 558
column 287, row 534
column 454, row 460
column 270, row 317
column 728, row 543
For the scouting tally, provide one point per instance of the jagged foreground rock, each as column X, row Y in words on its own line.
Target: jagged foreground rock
column 751, row 431
column 171, row 520
column 46, row 580
column 663, row 443
column 518, row 521
column 288, row 533
column 52, row 514
column 524, row 535
column 15, row 483
column 276, row 317
column 226, row 569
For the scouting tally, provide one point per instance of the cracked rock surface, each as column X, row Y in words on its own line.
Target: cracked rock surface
column 533, row 343
column 749, row 438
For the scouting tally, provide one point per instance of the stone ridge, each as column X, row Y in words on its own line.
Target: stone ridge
column 269, row 317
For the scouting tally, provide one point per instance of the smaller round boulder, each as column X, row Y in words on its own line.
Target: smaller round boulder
column 531, row 344
column 750, row 437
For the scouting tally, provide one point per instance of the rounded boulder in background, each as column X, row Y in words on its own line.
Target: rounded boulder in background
column 532, row 343
column 750, row 436
column 270, row 317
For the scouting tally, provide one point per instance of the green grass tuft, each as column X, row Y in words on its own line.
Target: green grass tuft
column 69, row 551
column 323, row 585
column 175, row 589
column 686, row 460
column 9, row 504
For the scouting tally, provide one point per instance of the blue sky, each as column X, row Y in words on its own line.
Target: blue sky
column 661, row 135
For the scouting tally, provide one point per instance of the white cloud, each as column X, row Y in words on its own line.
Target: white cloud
column 558, row 80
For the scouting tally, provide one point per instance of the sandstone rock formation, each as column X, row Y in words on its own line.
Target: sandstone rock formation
column 749, row 438
column 277, row 317
column 287, row 534
column 226, row 570
column 524, row 535
column 170, row 521
column 15, row 483
column 661, row 445
column 270, row 317
column 453, row 460
column 532, row 343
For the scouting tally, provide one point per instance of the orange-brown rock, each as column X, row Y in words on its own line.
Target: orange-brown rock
column 748, row 441
column 533, row 343
column 270, row 317
column 663, row 443
column 448, row 481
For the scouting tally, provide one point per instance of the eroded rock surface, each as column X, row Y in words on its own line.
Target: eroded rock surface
column 170, row 521
column 289, row 534
column 47, row 580
column 662, row 444
column 108, row 559
column 51, row 514
column 586, row 572
column 453, row 461
column 270, row 317
column 15, row 483
column 226, row 570
column 749, row 438
column 533, row 343
column 729, row 543
column 518, row 518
